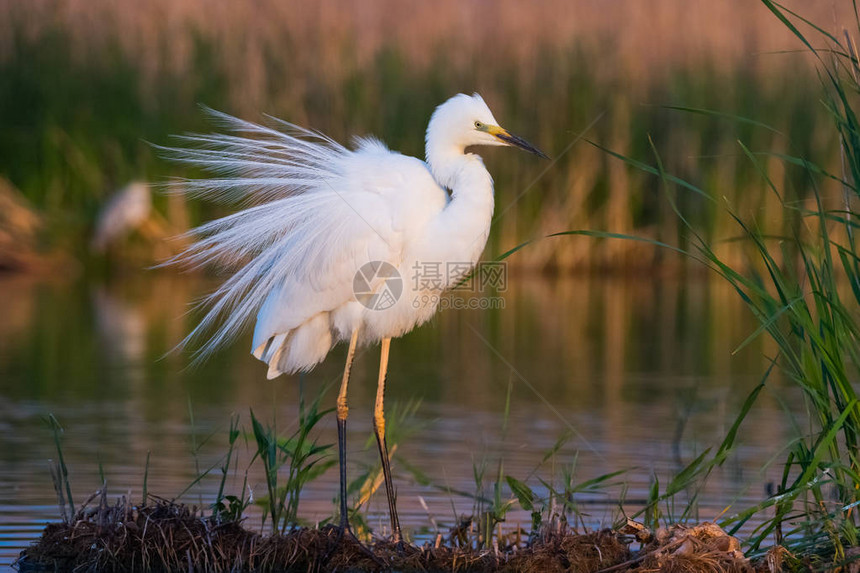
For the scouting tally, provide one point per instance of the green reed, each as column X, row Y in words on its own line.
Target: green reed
column 802, row 283
column 230, row 507
column 60, row 474
column 301, row 455
column 808, row 304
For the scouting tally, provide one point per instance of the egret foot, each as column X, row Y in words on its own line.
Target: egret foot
column 401, row 546
column 344, row 541
column 396, row 549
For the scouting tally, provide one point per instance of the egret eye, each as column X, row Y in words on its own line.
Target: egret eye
column 478, row 125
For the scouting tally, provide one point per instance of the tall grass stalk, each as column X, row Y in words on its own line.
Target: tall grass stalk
column 227, row 507
column 145, row 495
column 303, row 458
column 60, row 474
column 493, row 514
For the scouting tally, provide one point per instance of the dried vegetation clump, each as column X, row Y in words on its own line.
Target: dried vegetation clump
column 704, row 547
column 166, row 536
column 173, row 537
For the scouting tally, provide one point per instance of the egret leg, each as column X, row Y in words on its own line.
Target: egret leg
column 379, row 429
column 342, row 412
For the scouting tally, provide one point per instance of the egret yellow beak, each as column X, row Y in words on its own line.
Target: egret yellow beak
column 503, row 135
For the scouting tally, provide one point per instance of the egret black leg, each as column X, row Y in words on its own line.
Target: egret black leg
column 341, row 455
column 342, row 412
column 379, row 430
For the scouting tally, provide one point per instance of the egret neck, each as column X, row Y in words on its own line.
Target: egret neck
column 463, row 225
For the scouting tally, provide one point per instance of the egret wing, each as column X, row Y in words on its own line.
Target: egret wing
column 318, row 211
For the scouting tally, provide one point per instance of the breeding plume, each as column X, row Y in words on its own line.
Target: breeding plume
column 330, row 244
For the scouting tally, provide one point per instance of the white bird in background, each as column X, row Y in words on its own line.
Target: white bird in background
column 329, row 248
column 128, row 209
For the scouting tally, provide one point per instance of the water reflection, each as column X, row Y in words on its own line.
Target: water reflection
column 639, row 371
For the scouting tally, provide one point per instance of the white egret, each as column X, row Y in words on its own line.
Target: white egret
column 329, row 247
column 128, row 209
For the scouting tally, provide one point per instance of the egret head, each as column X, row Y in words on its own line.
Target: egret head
column 465, row 120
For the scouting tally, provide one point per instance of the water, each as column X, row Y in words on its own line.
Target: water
column 637, row 371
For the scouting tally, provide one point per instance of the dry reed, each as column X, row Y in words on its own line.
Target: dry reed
column 339, row 37
column 93, row 78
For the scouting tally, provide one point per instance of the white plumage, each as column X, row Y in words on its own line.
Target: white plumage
column 318, row 212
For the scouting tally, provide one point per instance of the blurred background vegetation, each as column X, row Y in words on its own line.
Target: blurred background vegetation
column 86, row 85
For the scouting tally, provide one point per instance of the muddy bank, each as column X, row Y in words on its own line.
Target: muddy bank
column 166, row 536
